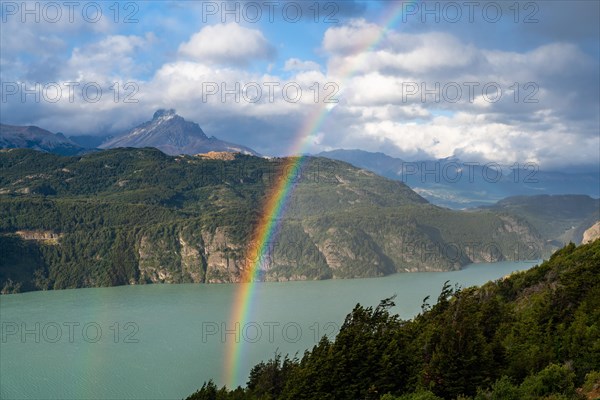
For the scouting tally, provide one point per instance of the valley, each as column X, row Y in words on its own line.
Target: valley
column 300, row 200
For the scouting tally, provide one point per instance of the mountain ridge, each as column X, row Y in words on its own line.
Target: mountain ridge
column 36, row 138
column 454, row 183
column 135, row 216
column 561, row 218
column 173, row 135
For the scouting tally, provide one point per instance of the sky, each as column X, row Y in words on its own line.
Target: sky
column 508, row 82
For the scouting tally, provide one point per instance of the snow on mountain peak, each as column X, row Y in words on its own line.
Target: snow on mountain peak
column 164, row 114
column 173, row 135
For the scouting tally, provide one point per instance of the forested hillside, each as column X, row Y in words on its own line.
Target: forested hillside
column 134, row 216
column 562, row 218
column 533, row 335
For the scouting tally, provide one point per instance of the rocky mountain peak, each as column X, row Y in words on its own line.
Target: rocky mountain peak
column 164, row 113
column 172, row 134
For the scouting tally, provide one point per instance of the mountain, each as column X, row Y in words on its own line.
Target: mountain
column 377, row 162
column 132, row 216
column 458, row 184
column 173, row 135
column 532, row 335
column 32, row 137
column 592, row 233
column 560, row 218
column 90, row 141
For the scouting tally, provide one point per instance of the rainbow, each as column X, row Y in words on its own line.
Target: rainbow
column 276, row 199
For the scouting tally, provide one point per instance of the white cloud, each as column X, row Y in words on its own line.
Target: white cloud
column 355, row 36
column 372, row 113
column 295, row 64
column 113, row 56
column 227, row 44
column 405, row 52
column 36, row 43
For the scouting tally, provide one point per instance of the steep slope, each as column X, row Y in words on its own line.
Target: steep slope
column 127, row 216
column 532, row 335
column 559, row 218
column 458, row 184
column 90, row 141
column 173, row 135
column 32, row 137
column 592, row 233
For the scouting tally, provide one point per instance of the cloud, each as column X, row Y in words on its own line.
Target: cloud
column 295, row 64
column 559, row 77
column 420, row 53
column 374, row 113
column 326, row 11
column 350, row 38
column 472, row 137
column 227, row 44
column 112, row 57
column 560, row 21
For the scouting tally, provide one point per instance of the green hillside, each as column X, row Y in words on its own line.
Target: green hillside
column 134, row 216
column 533, row 335
column 560, row 218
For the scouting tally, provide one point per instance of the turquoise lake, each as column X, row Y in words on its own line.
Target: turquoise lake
column 164, row 341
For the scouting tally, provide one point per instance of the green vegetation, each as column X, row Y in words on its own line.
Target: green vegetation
column 533, row 335
column 135, row 216
column 562, row 218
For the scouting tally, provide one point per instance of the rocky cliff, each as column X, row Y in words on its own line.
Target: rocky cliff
column 136, row 216
column 592, row 233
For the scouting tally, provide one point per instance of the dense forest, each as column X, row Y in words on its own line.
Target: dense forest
column 532, row 335
column 136, row 216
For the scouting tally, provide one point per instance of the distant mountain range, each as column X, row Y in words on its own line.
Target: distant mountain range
column 458, row 184
column 448, row 182
column 91, row 141
column 560, row 218
column 32, row 137
column 173, row 135
column 167, row 131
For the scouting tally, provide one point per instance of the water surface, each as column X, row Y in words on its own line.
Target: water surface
column 164, row 341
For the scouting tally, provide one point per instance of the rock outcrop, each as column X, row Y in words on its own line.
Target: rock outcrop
column 592, row 233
